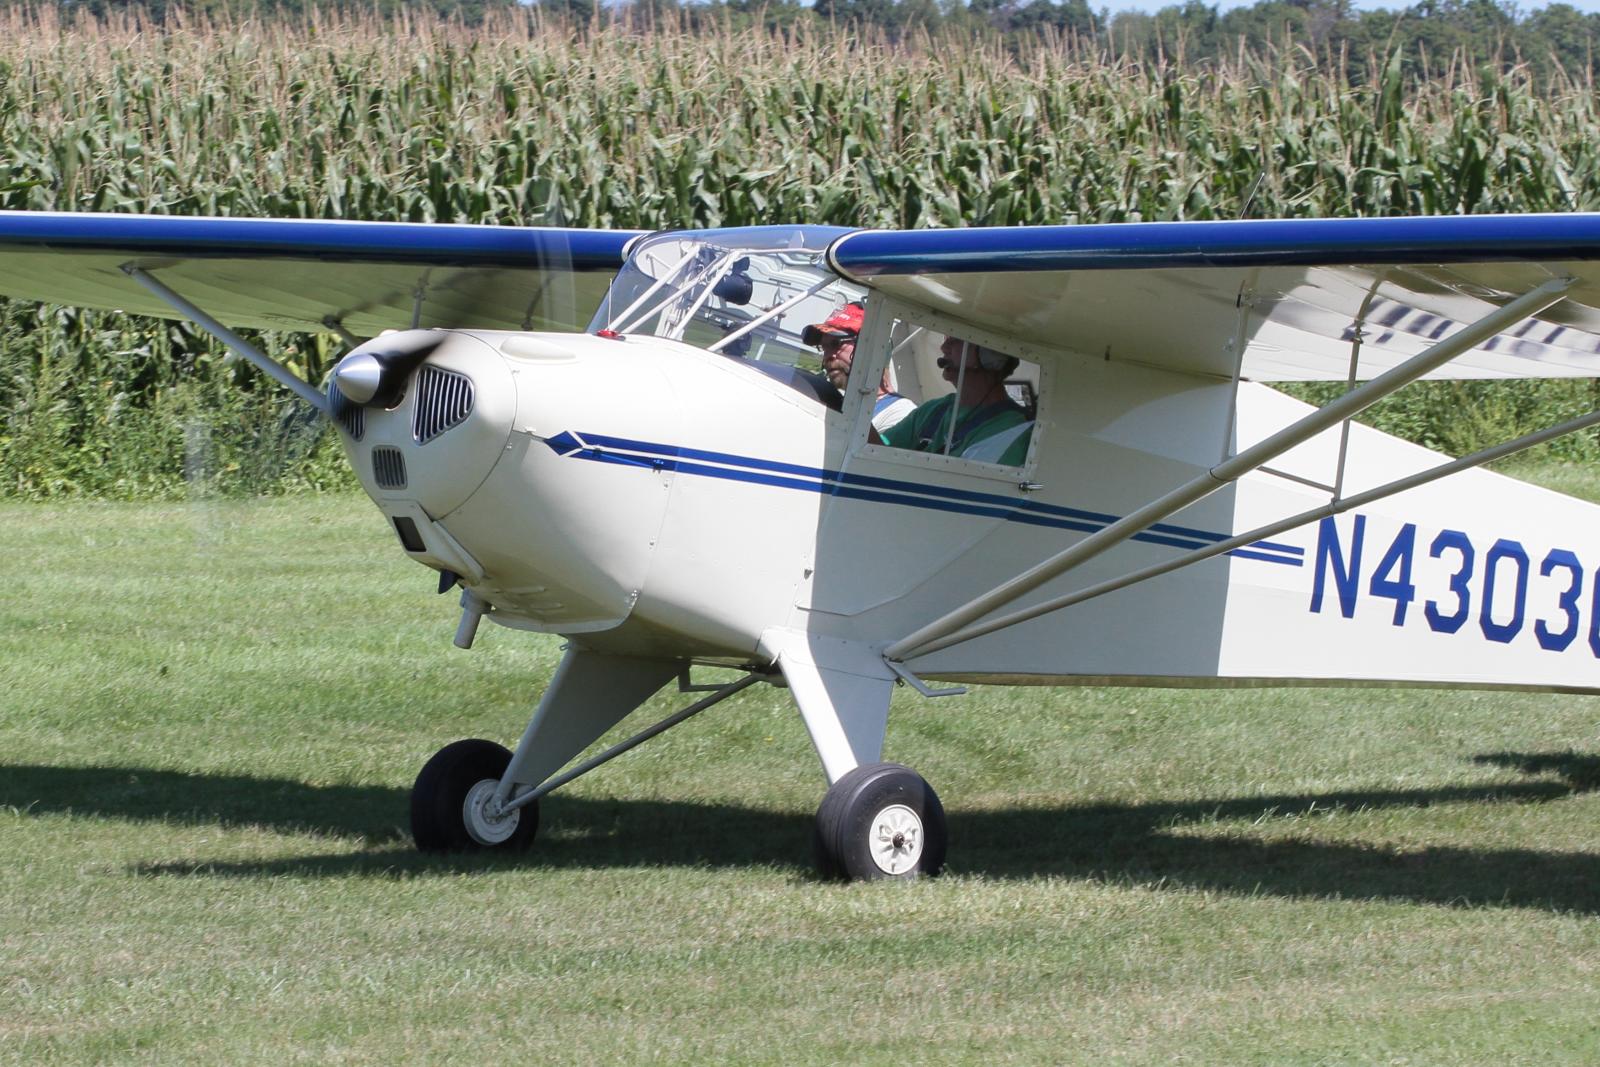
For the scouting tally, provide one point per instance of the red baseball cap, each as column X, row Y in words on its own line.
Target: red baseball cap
column 846, row 322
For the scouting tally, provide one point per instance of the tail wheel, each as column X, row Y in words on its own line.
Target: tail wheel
column 451, row 802
column 879, row 821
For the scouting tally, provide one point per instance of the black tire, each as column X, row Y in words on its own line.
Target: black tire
column 438, row 818
column 852, row 835
column 824, row 841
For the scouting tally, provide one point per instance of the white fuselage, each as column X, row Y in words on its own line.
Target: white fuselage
column 655, row 499
column 592, row 501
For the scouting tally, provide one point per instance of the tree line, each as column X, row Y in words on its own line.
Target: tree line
column 1429, row 34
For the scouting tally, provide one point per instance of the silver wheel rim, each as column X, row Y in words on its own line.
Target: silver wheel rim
column 896, row 840
column 481, row 827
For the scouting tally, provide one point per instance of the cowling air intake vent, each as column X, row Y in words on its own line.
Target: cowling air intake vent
column 443, row 399
column 351, row 416
column 388, row 467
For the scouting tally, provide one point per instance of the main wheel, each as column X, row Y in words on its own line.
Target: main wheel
column 450, row 802
column 880, row 821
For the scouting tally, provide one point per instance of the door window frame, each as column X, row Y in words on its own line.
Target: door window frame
column 871, row 357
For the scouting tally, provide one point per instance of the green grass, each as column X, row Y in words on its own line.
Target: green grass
column 211, row 715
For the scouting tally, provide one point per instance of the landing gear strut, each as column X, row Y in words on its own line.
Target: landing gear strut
column 879, row 821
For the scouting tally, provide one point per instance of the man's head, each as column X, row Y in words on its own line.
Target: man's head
column 980, row 362
column 837, row 339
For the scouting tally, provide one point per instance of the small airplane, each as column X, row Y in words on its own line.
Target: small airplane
column 841, row 460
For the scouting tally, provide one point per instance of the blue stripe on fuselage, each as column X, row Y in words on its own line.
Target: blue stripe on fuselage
column 751, row 470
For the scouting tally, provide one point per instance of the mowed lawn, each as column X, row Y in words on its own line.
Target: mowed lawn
column 211, row 715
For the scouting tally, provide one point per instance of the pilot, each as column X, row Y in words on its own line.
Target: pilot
column 837, row 339
column 990, row 427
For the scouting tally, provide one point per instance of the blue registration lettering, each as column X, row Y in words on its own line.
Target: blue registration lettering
column 1504, row 549
column 1560, row 557
column 1397, row 587
column 1437, row 620
column 1330, row 556
column 1594, row 618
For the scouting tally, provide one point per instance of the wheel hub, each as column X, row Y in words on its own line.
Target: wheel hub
column 896, row 839
column 486, row 822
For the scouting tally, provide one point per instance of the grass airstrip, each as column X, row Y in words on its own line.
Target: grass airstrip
column 211, row 714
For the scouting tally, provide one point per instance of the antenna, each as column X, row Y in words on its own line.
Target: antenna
column 1250, row 200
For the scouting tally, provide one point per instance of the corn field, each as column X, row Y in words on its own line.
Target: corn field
column 520, row 121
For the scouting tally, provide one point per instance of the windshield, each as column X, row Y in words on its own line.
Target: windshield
column 746, row 292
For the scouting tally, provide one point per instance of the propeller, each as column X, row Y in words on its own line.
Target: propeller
column 544, row 293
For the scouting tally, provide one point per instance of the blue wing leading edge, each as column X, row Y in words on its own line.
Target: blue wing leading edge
column 1270, row 300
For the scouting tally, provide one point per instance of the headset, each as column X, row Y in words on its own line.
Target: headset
column 988, row 359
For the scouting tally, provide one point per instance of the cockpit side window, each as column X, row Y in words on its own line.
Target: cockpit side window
column 956, row 396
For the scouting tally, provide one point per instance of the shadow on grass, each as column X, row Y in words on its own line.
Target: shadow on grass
column 1135, row 843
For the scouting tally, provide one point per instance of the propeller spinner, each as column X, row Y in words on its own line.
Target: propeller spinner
column 375, row 374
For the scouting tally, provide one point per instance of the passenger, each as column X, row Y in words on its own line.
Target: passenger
column 837, row 339
column 989, row 426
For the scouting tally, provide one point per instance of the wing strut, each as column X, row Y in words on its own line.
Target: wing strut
column 281, row 374
column 1244, row 304
column 1358, row 333
column 957, row 626
column 1333, row 507
column 506, row 802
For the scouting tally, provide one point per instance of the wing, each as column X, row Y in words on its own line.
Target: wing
column 1177, row 294
column 300, row 274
